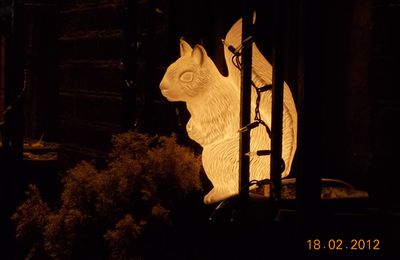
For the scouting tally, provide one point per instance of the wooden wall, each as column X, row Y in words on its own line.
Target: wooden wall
column 90, row 48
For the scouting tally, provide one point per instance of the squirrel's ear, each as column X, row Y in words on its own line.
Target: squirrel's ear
column 184, row 47
column 199, row 54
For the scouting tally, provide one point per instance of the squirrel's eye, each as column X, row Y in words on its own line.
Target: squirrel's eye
column 186, row 76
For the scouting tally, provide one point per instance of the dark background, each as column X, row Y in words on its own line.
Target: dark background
column 92, row 68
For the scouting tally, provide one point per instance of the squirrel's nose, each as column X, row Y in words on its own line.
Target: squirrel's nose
column 162, row 85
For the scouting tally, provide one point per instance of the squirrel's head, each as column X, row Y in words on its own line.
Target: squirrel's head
column 190, row 75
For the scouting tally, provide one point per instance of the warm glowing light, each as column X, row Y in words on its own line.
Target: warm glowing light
column 214, row 104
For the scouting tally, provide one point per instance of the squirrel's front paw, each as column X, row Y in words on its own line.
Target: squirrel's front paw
column 216, row 195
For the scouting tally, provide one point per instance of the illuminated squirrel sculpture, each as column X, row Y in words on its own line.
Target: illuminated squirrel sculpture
column 214, row 104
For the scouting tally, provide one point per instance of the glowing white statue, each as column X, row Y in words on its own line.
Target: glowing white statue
column 214, row 104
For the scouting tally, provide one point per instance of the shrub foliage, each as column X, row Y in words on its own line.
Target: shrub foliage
column 128, row 210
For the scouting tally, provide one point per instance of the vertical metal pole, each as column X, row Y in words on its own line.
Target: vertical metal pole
column 277, row 100
column 129, row 105
column 14, row 82
column 245, row 106
column 308, row 183
column 13, row 126
column 245, row 99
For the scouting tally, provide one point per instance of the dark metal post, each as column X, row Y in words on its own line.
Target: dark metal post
column 245, row 99
column 245, row 106
column 13, row 132
column 309, row 150
column 129, row 105
column 277, row 100
column 14, row 82
column 13, row 125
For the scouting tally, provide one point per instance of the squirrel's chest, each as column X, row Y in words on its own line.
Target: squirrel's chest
column 212, row 126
